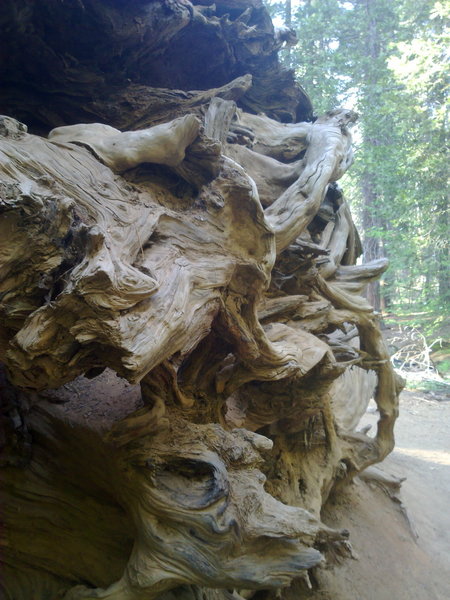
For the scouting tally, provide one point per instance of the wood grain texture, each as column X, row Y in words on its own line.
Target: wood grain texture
column 207, row 256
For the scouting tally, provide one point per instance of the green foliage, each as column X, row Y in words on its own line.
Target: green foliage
column 388, row 59
column 444, row 369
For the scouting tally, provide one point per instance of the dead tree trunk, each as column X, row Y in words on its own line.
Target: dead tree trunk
column 208, row 259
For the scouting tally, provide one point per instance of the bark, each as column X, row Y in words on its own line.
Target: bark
column 184, row 341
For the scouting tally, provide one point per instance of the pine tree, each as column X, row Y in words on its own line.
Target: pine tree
column 386, row 59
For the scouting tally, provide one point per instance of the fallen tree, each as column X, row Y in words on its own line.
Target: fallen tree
column 207, row 257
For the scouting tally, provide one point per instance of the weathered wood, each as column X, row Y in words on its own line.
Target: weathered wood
column 163, row 144
column 327, row 157
column 205, row 255
column 167, row 279
column 192, row 492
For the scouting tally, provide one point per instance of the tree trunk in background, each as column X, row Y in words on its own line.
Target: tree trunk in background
column 288, row 13
column 443, row 249
column 372, row 246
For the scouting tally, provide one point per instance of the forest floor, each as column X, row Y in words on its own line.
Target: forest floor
column 402, row 545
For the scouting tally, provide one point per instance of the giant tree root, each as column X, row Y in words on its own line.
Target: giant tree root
column 149, row 252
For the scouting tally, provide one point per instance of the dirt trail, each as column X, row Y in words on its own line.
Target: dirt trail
column 392, row 563
column 422, row 454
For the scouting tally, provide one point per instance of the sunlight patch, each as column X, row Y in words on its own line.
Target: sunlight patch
column 436, row 456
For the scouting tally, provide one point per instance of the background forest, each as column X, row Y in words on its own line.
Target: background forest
column 388, row 60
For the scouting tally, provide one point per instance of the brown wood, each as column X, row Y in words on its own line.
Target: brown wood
column 205, row 261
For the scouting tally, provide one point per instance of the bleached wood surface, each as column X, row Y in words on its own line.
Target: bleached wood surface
column 150, row 253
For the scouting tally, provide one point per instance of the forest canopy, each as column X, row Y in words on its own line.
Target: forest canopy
column 388, row 60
